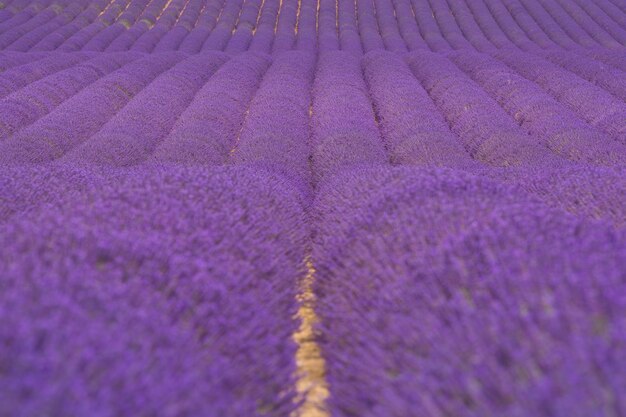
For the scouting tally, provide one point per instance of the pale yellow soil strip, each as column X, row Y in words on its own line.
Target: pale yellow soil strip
column 311, row 384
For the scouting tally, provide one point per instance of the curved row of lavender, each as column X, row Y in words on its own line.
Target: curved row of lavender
column 443, row 293
column 449, row 176
column 140, row 295
column 355, row 26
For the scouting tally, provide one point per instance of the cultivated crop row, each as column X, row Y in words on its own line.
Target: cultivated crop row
column 351, row 25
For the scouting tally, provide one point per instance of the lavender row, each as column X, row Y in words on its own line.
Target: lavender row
column 418, row 133
column 206, row 22
column 263, row 34
column 539, row 113
column 593, row 104
column 486, row 131
column 20, row 76
column 80, row 38
column 585, row 37
column 285, row 28
column 208, row 129
column 488, row 25
column 164, row 22
column 185, row 22
column 244, row 26
column 54, row 39
column 23, row 14
column 515, row 28
column 228, row 17
column 604, row 56
column 404, row 123
column 350, row 25
column 610, row 79
column 413, row 129
column 551, row 27
column 275, row 135
column 144, row 22
column 328, row 30
column 532, row 27
column 348, row 30
column 524, row 154
column 589, row 192
column 102, row 39
column 448, row 31
column 344, row 126
column 13, row 59
column 76, row 119
column 32, row 36
column 26, row 105
column 406, row 24
column 470, row 26
column 605, row 35
column 371, row 38
column 142, row 297
column 388, row 26
column 437, row 296
column 133, row 133
column 12, row 33
column 608, row 15
column 426, row 25
column 306, row 36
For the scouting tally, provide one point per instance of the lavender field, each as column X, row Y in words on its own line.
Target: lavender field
column 313, row 208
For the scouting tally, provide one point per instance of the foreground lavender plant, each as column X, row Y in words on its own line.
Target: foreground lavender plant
column 163, row 319
column 478, row 314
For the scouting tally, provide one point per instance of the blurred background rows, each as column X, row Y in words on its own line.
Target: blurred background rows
column 270, row 26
